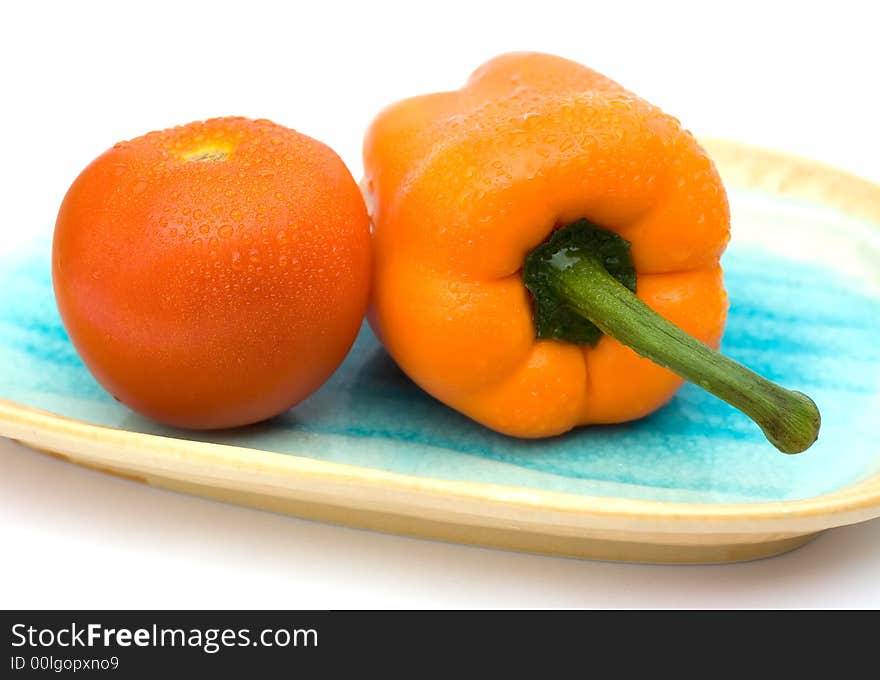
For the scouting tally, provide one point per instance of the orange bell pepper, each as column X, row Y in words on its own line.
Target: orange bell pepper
column 464, row 185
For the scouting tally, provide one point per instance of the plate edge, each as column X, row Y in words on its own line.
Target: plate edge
column 280, row 475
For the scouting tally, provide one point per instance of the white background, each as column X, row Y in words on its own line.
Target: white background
column 76, row 77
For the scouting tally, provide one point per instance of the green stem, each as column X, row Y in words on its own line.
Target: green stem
column 789, row 419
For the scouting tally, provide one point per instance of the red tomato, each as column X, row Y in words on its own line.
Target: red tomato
column 214, row 274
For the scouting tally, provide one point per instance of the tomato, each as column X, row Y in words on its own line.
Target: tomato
column 214, row 274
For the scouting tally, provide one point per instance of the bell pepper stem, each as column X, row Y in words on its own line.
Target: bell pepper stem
column 789, row 419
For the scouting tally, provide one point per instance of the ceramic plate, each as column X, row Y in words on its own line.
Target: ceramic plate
column 695, row 482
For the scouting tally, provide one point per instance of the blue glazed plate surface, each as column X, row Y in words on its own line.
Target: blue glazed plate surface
column 805, row 311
